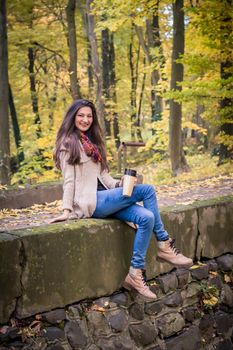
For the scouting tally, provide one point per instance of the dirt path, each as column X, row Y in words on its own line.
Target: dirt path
column 183, row 193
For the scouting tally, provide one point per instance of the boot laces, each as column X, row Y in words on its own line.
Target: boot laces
column 143, row 277
column 172, row 245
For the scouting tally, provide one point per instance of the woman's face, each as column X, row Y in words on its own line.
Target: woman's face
column 84, row 119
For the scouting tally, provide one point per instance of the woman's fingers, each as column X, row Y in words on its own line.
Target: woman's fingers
column 59, row 218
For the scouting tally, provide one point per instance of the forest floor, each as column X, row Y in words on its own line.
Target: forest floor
column 183, row 193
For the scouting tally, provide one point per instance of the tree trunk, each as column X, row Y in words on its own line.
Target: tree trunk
column 72, row 43
column 89, row 59
column 153, row 36
column 116, row 131
column 226, row 74
column 96, row 65
column 15, row 125
column 178, row 161
column 4, row 117
column 133, row 102
column 138, row 121
column 34, row 96
column 106, row 75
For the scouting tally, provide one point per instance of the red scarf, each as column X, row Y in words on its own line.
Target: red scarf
column 90, row 149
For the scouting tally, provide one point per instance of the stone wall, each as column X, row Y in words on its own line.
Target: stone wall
column 193, row 312
column 49, row 267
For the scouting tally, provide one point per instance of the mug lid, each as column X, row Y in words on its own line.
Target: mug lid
column 130, row 172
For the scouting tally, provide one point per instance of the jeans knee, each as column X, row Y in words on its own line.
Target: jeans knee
column 148, row 220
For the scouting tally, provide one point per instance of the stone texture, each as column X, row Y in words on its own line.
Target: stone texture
column 207, row 327
column 190, row 294
column 216, row 281
column 223, row 321
column 120, row 299
column 170, row 324
column 213, row 266
column 225, row 262
column 53, row 333
column 143, row 333
column 173, row 300
column 199, row 273
column 34, row 194
column 189, row 340
column 98, row 324
column 77, row 333
column 153, row 308
column 55, row 316
column 226, row 344
column 227, row 295
column 46, row 286
column 191, row 313
column 183, row 276
column 118, row 320
column 167, row 282
column 136, row 310
column 11, row 258
column 215, row 227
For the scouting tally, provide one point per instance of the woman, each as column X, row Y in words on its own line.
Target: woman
column 90, row 191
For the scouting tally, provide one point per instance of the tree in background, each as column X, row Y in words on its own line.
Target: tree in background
column 4, row 118
column 72, row 43
column 178, row 161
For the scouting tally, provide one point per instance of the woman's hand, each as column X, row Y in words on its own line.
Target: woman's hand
column 63, row 217
column 122, row 181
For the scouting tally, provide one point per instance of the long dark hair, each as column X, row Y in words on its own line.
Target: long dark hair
column 69, row 135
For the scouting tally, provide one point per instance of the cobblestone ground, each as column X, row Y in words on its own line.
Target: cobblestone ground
column 168, row 195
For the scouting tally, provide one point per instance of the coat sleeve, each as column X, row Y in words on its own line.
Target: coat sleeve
column 68, row 173
column 108, row 180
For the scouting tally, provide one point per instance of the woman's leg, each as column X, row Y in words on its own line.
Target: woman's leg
column 145, row 222
column 111, row 201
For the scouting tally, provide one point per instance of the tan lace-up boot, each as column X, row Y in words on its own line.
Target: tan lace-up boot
column 169, row 253
column 136, row 280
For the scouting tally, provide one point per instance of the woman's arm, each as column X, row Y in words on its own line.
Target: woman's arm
column 68, row 172
column 108, row 180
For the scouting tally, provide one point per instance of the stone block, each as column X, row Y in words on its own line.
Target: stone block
column 118, row 320
column 136, row 310
column 207, row 327
column 153, row 308
column 191, row 313
column 189, row 340
column 53, row 333
column 215, row 227
column 16, row 198
column 173, row 300
column 170, row 324
column 55, row 316
column 200, row 273
column 120, row 299
column 181, row 224
column 225, row 344
column 98, row 324
column 143, row 333
column 225, row 262
column 183, row 276
column 77, row 334
column 223, row 321
column 167, row 282
column 61, row 265
column 11, row 258
column 227, row 296
column 190, row 294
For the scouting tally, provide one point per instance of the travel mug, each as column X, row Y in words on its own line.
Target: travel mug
column 129, row 181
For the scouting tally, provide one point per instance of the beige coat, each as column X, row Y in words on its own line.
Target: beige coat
column 80, row 183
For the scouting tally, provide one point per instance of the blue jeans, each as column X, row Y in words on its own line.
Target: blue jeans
column 113, row 203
